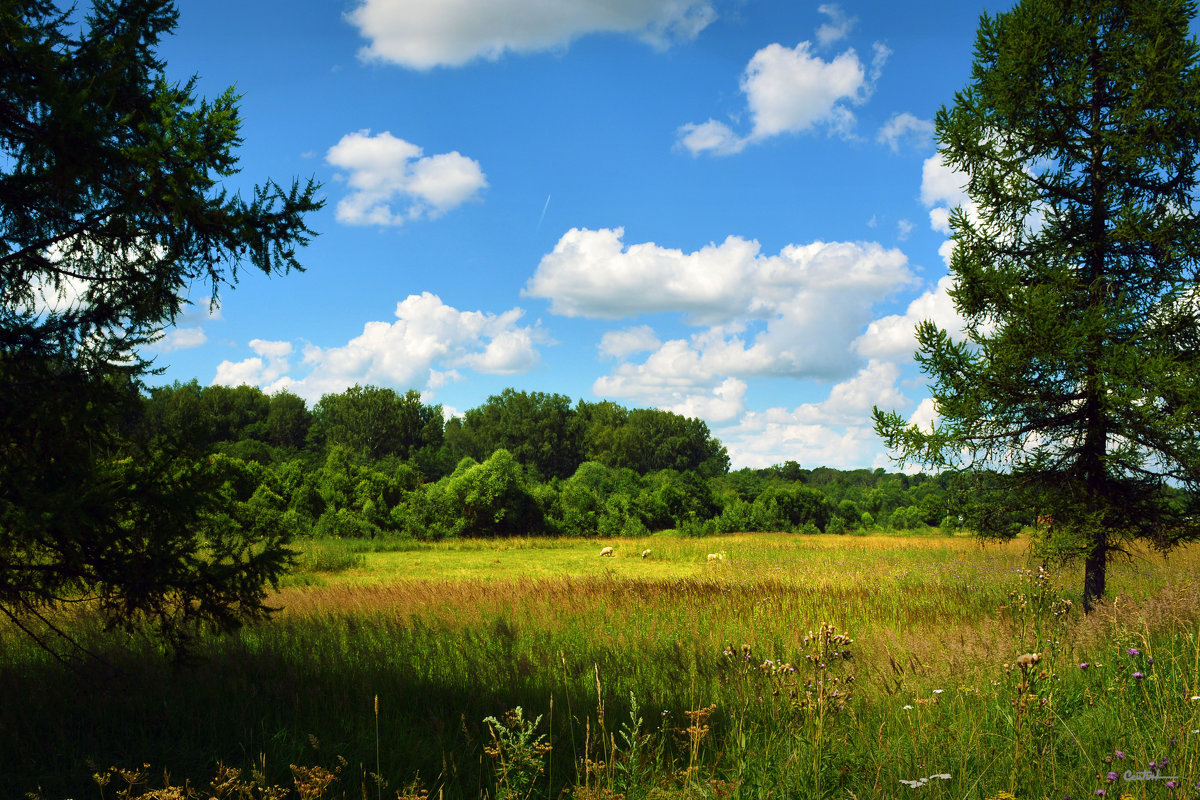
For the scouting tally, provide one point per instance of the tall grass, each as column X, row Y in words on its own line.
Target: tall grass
column 801, row 667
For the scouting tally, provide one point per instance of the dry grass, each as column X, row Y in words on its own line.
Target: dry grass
column 446, row 635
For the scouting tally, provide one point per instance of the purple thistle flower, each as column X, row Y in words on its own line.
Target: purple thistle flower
column 1119, row 754
column 1084, row 665
column 1112, row 776
column 1101, row 793
column 1137, row 676
column 1172, row 785
column 1133, row 651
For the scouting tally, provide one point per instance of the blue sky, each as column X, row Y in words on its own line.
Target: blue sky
column 732, row 210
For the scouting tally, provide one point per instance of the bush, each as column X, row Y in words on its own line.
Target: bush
column 344, row 524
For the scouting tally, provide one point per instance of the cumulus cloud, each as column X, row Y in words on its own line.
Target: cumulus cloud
column 673, row 379
column 838, row 27
column 894, row 336
column 835, row 432
column 391, row 181
column 188, row 330
column 943, row 188
column 626, row 342
column 904, row 129
column 791, row 90
column 593, row 273
column 794, row 314
column 422, row 34
column 270, row 365
column 712, row 137
column 421, row 350
column 181, row 339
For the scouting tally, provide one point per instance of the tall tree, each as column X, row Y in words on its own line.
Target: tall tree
column 1075, row 270
column 374, row 422
column 111, row 207
column 540, row 430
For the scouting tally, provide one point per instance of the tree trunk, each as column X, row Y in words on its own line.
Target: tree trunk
column 1094, row 571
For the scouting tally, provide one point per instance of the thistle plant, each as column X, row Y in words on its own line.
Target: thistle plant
column 806, row 697
column 517, row 753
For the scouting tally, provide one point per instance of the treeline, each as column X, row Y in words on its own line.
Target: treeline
column 370, row 461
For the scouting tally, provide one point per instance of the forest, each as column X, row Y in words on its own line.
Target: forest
column 370, row 462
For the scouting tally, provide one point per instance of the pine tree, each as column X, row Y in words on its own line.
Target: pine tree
column 111, row 208
column 1076, row 391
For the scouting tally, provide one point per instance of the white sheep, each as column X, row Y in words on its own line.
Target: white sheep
column 608, row 551
column 646, row 553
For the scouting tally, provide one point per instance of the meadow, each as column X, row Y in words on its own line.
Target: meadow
column 795, row 666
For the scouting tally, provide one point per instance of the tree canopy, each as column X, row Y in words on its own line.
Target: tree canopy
column 111, row 209
column 1076, row 389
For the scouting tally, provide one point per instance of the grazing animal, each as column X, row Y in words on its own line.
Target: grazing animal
column 716, row 556
column 646, row 553
column 608, row 551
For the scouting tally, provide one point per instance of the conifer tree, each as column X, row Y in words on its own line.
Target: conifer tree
column 1075, row 393
column 111, row 208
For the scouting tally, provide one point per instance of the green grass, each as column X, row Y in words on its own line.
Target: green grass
column 446, row 635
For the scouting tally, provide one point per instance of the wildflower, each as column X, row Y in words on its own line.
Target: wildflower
column 1119, row 754
column 1172, row 785
column 1112, row 776
column 1133, row 651
column 1028, row 660
column 937, row 691
column 1195, row 697
column 1137, row 676
column 1083, row 665
column 1101, row 793
column 1163, row 764
column 908, row 708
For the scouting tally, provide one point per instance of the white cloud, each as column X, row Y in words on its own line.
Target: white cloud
column 674, row 380
column 421, row 34
column 794, row 314
column 926, row 415
column 791, row 91
column 268, row 367
column 715, row 138
column 835, row 432
column 837, row 28
column 385, row 171
column 181, row 339
column 420, row 350
column 188, row 331
column 904, row 229
column 622, row 343
column 943, row 188
column 906, row 129
column 894, row 336
column 593, row 273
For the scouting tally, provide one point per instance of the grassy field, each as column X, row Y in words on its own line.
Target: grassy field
column 796, row 666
